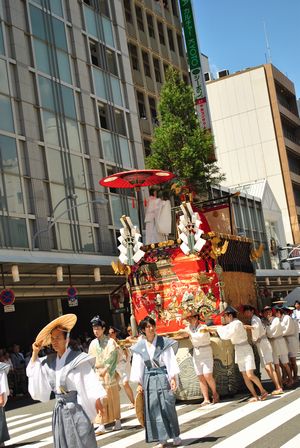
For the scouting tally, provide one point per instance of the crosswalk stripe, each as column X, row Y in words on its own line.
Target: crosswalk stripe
column 295, row 441
column 265, row 425
column 28, row 419
column 184, row 418
column 29, row 435
column 16, row 417
column 32, row 425
column 226, row 419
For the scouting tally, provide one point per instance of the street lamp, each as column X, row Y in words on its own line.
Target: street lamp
column 53, row 222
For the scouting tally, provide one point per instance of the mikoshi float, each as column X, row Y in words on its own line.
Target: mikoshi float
column 204, row 268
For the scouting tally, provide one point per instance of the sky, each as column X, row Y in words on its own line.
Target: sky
column 232, row 34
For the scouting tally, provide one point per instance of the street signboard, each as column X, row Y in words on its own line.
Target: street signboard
column 193, row 52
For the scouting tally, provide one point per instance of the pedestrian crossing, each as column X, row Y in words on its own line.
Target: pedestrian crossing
column 233, row 423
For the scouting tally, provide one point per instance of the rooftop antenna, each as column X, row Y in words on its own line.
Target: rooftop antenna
column 268, row 54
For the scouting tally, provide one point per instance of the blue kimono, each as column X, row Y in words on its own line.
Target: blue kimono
column 161, row 421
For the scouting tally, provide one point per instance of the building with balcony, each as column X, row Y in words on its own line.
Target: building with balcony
column 68, row 118
column 155, row 41
column 257, row 134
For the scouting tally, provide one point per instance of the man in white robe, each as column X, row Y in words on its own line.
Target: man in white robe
column 70, row 376
column 4, row 392
column 264, row 348
column 274, row 332
column 202, row 357
column 235, row 332
column 288, row 330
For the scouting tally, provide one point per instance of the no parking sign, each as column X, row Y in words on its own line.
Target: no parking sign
column 7, row 297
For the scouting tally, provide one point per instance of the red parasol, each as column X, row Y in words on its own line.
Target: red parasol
column 136, row 178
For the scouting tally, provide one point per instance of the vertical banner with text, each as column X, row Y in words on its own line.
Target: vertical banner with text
column 193, row 52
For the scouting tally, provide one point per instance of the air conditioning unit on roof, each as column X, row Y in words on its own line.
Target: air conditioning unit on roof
column 223, row 73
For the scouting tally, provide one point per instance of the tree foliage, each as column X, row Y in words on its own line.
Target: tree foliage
column 179, row 144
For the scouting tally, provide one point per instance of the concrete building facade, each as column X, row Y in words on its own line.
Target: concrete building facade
column 68, row 118
column 257, row 134
column 155, row 42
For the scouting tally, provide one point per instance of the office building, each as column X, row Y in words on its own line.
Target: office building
column 257, row 134
column 68, row 118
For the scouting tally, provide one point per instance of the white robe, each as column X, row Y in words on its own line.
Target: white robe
column 236, row 333
column 263, row 344
column 4, row 389
column 167, row 358
column 275, row 334
column 290, row 335
column 82, row 379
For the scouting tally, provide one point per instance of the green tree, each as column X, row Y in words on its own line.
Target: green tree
column 179, row 144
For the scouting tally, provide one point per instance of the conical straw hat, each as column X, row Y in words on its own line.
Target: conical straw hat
column 67, row 321
column 139, row 408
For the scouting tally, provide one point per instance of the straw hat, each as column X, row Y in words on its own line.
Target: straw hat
column 67, row 321
column 139, row 408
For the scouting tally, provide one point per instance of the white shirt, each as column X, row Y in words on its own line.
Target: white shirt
column 166, row 358
column 287, row 325
column 296, row 315
column 198, row 336
column 274, row 330
column 4, row 389
column 258, row 330
column 234, row 331
column 82, row 379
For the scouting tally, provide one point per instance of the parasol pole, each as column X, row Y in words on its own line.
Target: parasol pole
column 138, row 201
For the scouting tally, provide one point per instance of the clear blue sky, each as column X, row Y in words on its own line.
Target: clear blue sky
column 231, row 34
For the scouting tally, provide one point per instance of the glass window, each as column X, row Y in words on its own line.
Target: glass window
column 11, row 189
column 133, row 213
column 41, row 56
column 1, row 40
column 4, row 88
column 51, row 128
column 87, row 240
column 37, row 22
column 99, row 83
column 8, row 155
column 73, row 134
column 64, row 236
column 56, row 7
column 171, row 40
column 120, row 122
column 107, row 145
column 139, row 18
column 64, row 66
column 15, row 229
column 161, row 33
column 83, row 210
column 150, row 26
column 127, row 8
column 116, row 89
column 112, row 62
column 103, row 115
column 59, row 34
column 58, row 192
column 125, row 153
column 134, row 56
column 141, row 105
column 78, row 172
column 157, row 69
column 117, row 211
column 146, row 64
column 54, row 164
column 108, row 32
column 68, row 101
column 47, row 93
column 179, row 43
column 6, row 121
column 90, row 20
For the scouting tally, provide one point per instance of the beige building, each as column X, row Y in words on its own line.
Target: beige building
column 257, row 134
column 155, row 42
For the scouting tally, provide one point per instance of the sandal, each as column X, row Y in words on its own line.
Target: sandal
column 204, row 403
column 277, row 392
column 253, row 400
column 264, row 396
